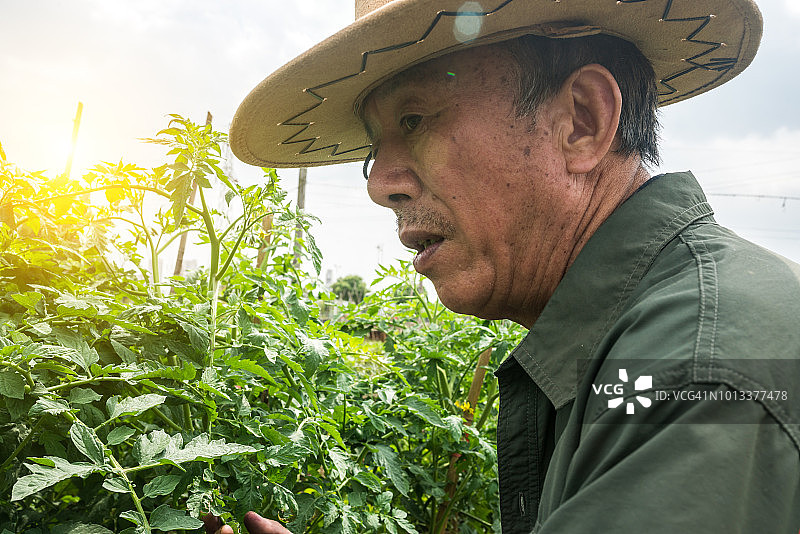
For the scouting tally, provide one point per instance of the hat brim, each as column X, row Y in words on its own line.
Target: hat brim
column 302, row 115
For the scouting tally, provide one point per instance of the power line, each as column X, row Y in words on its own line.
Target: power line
column 746, row 195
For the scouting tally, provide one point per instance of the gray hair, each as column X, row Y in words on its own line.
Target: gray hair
column 544, row 64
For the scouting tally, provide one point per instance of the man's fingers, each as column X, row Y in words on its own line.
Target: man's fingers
column 213, row 525
column 258, row 525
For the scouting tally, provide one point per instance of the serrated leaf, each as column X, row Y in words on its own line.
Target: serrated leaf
column 125, row 354
column 419, row 407
column 71, row 306
column 83, row 396
column 197, row 336
column 163, row 485
column 119, row 434
column 201, row 448
column 314, row 351
column 298, row 308
column 316, row 253
column 150, row 445
column 42, row 476
column 132, row 516
column 87, row 443
column 286, row 454
column 252, row 367
column 369, row 480
column 49, row 406
column 117, row 485
column 12, row 384
column 137, row 405
column 400, row 518
column 334, row 433
column 387, row 459
column 165, row 518
column 79, row 528
column 29, row 299
column 340, row 462
column 42, row 329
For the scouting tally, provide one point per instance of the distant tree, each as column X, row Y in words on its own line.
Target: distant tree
column 351, row 288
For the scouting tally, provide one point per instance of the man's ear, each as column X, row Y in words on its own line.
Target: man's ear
column 591, row 103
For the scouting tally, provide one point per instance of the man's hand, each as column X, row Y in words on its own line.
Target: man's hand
column 254, row 523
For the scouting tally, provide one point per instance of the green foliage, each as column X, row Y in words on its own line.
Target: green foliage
column 128, row 404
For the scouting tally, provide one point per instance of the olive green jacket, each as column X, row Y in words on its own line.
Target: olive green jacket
column 713, row 442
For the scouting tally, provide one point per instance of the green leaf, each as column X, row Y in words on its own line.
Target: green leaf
column 119, row 434
column 400, row 518
column 181, row 187
column 75, row 349
column 286, row 454
column 197, row 336
column 137, row 405
column 163, row 485
column 29, row 299
column 298, row 308
column 71, row 306
column 333, row 431
column 419, row 407
column 369, row 480
column 83, row 396
column 314, row 351
column 126, row 354
column 387, row 459
column 87, row 443
column 12, row 384
column 252, row 367
column 79, row 528
column 201, row 448
column 49, row 406
column 42, row 329
column 340, row 461
column 44, row 476
column 117, row 485
column 133, row 517
column 149, row 446
column 165, row 518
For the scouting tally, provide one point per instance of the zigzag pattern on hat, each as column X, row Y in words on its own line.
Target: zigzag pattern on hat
column 721, row 65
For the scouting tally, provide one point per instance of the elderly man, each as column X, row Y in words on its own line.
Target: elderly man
column 655, row 390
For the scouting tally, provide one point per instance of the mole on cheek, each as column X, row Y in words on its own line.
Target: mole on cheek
column 527, row 151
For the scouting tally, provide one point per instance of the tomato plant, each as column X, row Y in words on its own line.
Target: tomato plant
column 132, row 404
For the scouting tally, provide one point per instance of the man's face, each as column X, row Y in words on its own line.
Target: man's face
column 482, row 195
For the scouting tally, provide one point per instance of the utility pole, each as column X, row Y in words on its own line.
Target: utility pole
column 182, row 245
column 76, row 126
column 301, row 204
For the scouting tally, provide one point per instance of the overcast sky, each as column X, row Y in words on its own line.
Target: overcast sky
column 133, row 62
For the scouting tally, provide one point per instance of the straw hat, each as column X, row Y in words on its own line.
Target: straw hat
column 302, row 114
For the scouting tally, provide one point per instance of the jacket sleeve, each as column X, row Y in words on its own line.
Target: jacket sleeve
column 693, row 466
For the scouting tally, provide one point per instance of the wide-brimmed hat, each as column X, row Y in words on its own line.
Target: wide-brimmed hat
column 302, row 115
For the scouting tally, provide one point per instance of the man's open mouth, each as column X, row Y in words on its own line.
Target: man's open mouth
column 422, row 245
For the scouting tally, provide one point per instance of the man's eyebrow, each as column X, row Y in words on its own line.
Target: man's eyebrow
column 418, row 75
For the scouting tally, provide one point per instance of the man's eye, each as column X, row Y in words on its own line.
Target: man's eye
column 410, row 123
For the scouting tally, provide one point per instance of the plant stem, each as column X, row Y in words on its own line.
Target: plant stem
column 26, row 374
column 87, row 381
column 136, row 502
column 22, row 445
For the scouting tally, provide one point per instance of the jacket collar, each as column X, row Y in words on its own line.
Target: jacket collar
column 597, row 286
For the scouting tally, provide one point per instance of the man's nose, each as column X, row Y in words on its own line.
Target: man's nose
column 392, row 180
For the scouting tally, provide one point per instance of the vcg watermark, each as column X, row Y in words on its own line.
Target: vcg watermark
column 642, row 383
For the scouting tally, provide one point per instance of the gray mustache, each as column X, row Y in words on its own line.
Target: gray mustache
column 427, row 220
